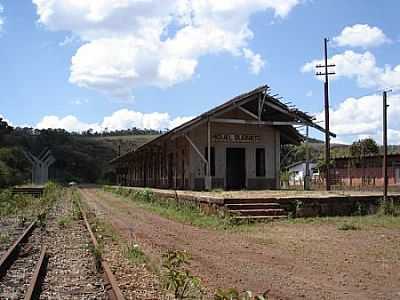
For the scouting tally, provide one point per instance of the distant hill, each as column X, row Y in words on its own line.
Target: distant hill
column 79, row 157
column 125, row 143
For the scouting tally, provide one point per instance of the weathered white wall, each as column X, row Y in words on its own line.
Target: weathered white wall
column 269, row 140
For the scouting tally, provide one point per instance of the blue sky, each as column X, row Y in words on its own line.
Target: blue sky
column 116, row 64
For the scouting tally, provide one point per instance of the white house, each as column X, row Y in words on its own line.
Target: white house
column 297, row 172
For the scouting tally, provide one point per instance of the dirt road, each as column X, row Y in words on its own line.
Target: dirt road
column 294, row 261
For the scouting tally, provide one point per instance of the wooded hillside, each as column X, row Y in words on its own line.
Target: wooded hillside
column 79, row 157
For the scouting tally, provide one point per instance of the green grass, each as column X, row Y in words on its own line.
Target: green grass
column 27, row 206
column 4, row 238
column 134, row 254
column 181, row 212
column 190, row 214
column 65, row 221
column 103, row 229
column 362, row 222
column 348, row 226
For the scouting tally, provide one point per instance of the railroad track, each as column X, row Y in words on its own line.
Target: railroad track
column 23, row 266
column 112, row 288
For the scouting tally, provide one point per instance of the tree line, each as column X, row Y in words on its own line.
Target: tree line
column 77, row 159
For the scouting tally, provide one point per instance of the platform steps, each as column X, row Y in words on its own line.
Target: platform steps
column 36, row 192
column 255, row 210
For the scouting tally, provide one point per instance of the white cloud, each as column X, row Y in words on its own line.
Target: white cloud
column 69, row 123
column 357, row 118
column 79, row 101
column 256, row 61
column 69, row 39
column 121, row 119
column 128, row 43
column 1, row 18
column 361, row 35
column 363, row 68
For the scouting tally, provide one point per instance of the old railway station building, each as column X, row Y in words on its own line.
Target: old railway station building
column 233, row 146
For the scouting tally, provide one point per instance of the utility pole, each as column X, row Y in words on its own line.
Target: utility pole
column 326, row 73
column 307, row 177
column 385, row 173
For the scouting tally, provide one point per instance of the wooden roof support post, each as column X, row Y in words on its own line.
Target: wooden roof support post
column 176, row 164
column 208, row 183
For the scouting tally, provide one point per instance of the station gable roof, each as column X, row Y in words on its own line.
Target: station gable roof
column 265, row 109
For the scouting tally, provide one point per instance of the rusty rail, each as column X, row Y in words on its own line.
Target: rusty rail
column 9, row 257
column 112, row 288
column 37, row 277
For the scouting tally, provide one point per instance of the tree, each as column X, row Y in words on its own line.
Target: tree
column 5, row 129
column 364, row 147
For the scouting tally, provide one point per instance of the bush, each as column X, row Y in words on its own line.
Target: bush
column 348, row 226
column 389, row 208
column 177, row 276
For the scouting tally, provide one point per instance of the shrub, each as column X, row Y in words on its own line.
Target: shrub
column 389, row 208
column 177, row 276
column 348, row 226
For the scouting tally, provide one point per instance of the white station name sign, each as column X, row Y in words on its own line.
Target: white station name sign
column 237, row 138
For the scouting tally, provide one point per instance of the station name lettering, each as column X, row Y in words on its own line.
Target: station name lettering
column 237, row 138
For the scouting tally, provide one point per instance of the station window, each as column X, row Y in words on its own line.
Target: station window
column 212, row 160
column 260, row 162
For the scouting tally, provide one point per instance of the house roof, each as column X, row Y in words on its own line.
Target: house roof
column 299, row 163
column 288, row 131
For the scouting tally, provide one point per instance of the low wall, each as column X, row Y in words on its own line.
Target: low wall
column 333, row 206
column 209, row 205
column 326, row 205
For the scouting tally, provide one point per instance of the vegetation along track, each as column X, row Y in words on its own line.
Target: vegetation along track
column 113, row 291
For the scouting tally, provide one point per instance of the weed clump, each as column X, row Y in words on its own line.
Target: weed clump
column 234, row 294
column 389, row 208
column 134, row 254
column 348, row 226
column 177, row 277
column 98, row 254
column 4, row 238
column 64, row 221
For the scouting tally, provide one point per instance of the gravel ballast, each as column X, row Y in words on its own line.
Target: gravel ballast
column 71, row 272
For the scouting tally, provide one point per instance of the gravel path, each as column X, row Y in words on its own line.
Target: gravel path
column 136, row 281
column 294, row 261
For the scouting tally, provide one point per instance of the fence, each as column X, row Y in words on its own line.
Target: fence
column 357, row 179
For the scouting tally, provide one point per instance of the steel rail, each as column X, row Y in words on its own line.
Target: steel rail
column 112, row 288
column 37, row 277
column 9, row 257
